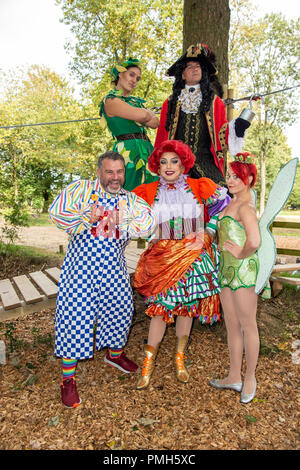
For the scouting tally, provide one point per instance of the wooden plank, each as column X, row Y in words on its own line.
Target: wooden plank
column 287, row 251
column 131, row 264
column 8, row 295
column 54, row 273
column 288, row 218
column 44, row 283
column 25, row 309
column 27, row 289
column 295, row 225
column 280, row 268
column 288, row 280
column 276, row 286
column 132, row 257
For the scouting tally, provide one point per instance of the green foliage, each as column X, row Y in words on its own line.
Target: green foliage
column 294, row 199
column 271, row 139
column 264, row 57
column 108, row 32
column 37, row 162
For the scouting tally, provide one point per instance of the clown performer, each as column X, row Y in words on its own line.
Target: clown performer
column 177, row 273
column 240, row 235
column 128, row 119
column 196, row 115
column 94, row 292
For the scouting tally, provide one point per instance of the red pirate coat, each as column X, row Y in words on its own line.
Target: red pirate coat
column 217, row 126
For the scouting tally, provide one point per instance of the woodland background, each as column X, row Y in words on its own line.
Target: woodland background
column 262, row 56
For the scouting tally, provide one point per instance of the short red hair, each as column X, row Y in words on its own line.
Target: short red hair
column 243, row 170
column 182, row 150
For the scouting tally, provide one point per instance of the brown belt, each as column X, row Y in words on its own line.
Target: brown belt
column 135, row 135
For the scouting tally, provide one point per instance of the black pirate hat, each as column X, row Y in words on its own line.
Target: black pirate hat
column 199, row 53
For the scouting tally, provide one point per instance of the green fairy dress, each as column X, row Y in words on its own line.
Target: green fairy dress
column 235, row 273
column 131, row 141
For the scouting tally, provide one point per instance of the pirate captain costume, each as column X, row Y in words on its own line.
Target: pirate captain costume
column 196, row 115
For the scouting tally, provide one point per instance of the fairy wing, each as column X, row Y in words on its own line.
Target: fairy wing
column 278, row 196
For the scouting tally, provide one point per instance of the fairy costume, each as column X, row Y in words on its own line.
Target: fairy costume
column 233, row 272
column 131, row 139
column 175, row 279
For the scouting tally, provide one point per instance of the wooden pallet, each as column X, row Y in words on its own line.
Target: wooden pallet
column 277, row 281
column 33, row 293
column 37, row 291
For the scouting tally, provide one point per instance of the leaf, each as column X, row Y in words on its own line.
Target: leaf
column 259, row 400
column 111, row 444
column 31, row 379
column 283, row 346
column 54, row 421
column 102, row 123
column 144, row 422
column 139, row 164
column 147, row 421
column 120, row 146
column 250, row 419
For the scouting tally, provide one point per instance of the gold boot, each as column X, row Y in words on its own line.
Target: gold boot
column 181, row 371
column 148, row 366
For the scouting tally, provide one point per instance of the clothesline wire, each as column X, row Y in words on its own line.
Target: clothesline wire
column 257, row 96
column 227, row 101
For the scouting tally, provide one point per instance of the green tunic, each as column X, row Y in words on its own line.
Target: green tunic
column 135, row 149
column 235, row 273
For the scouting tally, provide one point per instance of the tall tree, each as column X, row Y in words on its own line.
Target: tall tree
column 267, row 60
column 208, row 22
column 34, row 160
column 108, row 32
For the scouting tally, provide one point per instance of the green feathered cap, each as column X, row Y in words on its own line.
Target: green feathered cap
column 123, row 66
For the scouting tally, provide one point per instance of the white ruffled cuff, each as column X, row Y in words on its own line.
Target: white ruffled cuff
column 235, row 144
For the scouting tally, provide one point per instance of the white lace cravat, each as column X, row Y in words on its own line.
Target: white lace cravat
column 190, row 98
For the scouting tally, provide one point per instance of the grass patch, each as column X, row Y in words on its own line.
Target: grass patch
column 290, row 274
column 39, row 219
column 290, row 212
column 29, row 253
column 18, row 259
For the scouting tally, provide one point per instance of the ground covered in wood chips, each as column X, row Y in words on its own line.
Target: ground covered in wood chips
column 166, row 416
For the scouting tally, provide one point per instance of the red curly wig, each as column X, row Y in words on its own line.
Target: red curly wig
column 243, row 170
column 183, row 151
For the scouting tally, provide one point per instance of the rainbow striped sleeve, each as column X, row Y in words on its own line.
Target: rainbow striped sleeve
column 139, row 219
column 70, row 211
column 212, row 225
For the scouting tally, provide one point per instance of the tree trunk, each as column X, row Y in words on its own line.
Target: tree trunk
column 208, row 22
column 46, row 201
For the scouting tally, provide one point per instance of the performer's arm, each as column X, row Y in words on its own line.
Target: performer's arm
column 216, row 197
column 236, row 128
column 69, row 211
column 117, row 107
column 162, row 133
column 139, row 218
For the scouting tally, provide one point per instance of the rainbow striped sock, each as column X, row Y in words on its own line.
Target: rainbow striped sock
column 115, row 353
column 68, row 368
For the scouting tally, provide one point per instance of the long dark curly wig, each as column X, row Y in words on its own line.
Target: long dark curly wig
column 209, row 86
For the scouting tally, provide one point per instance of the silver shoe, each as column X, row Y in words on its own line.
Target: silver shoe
column 236, row 386
column 247, row 397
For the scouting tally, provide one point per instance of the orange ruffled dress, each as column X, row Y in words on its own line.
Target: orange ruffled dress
column 175, row 279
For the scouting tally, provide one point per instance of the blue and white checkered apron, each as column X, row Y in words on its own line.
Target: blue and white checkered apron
column 94, row 289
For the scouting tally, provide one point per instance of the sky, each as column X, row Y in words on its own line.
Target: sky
column 31, row 33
